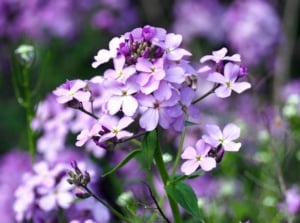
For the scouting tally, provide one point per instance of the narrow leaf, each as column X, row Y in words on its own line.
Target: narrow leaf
column 184, row 195
column 131, row 155
column 149, row 144
column 189, row 123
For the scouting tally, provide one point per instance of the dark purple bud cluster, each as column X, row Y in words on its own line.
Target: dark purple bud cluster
column 133, row 49
column 77, row 177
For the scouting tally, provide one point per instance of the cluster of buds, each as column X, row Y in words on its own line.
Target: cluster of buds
column 77, row 177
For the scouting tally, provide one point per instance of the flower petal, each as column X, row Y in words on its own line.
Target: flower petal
column 223, row 92
column 149, row 119
column 208, row 163
column 189, row 153
column 217, row 78
column 231, row 132
column 189, row 167
column 239, row 87
column 232, row 146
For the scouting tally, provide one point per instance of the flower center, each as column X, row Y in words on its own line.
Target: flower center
column 198, row 158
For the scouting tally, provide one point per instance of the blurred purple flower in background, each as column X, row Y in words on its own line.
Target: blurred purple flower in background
column 38, row 19
column 41, row 20
column 292, row 200
column 199, row 18
column 115, row 16
column 12, row 166
column 253, row 29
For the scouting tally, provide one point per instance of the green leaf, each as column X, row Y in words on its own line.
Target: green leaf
column 184, row 195
column 131, row 155
column 189, row 123
column 149, row 144
column 181, row 177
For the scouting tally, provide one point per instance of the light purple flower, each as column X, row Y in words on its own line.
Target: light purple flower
column 216, row 137
column 104, row 55
column 292, row 200
column 99, row 212
column 219, row 55
column 198, row 18
column 155, row 111
column 197, row 157
column 187, row 95
column 122, row 99
column 253, row 29
column 85, row 221
column 59, row 196
column 171, row 45
column 115, row 128
column 228, row 82
column 150, row 74
column 120, row 73
column 72, row 90
column 85, row 135
column 12, row 165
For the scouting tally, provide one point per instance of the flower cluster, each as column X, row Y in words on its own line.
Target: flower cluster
column 45, row 190
column 152, row 81
column 210, row 149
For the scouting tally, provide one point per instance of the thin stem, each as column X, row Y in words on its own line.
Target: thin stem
column 182, row 137
column 156, row 204
column 285, row 51
column 29, row 113
column 131, row 138
column 206, row 94
column 88, row 113
column 165, row 178
column 114, row 211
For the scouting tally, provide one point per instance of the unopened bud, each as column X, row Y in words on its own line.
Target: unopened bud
column 25, row 54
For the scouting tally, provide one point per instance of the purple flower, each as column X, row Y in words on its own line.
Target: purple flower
column 115, row 128
column 216, row 137
column 292, row 200
column 86, row 134
column 12, row 166
column 171, row 45
column 197, row 157
column 59, row 196
column 219, row 55
column 253, row 29
column 85, row 221
column 228, row 81
column 155, row 111
column 150, row 74
column 122, row 99
column 198, row 18
column 187, row 95
column 104, row 55
column 120, row 73
column 72, row 90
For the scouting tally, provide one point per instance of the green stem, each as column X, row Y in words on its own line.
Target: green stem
column 165, row 178
column 182, row 137
column 114, row 211
column 29, row 113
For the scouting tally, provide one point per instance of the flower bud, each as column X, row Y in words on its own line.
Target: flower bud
column 25, row 54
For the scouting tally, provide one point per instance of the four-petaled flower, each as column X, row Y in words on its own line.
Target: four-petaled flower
column 87, row 134
column 228, row 81
column 197, row 157
column 59, row 196
column 219, row 55
column 115, row 128
column 216, row 137
column 72, row 90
